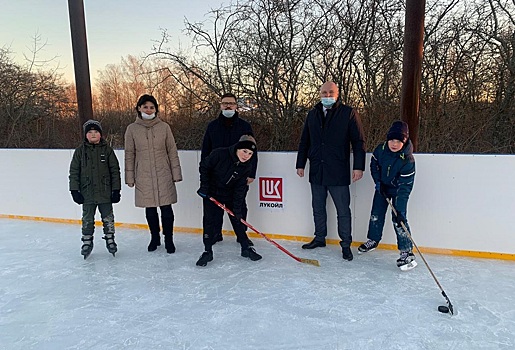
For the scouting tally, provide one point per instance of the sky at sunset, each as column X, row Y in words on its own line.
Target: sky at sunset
column 115, row 28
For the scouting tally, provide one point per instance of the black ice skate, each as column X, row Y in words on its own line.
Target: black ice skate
column 368, row 246
column 87, row 245
column 251, row 254
column 406, row 261
column 110, row 243
column 205, row 258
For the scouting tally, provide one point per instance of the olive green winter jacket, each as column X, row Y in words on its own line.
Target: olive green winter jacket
column 95, row 172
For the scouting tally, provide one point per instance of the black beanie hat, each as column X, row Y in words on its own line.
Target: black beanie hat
column 398, row 131
column 246, row 142
column 92, row 125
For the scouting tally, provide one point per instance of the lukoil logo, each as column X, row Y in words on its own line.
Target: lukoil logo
column 271, row 189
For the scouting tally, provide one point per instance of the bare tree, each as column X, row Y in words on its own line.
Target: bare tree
column 501, row 39
column 467, row 103
column 274, row 55
column 271, row 63
column 28, row 99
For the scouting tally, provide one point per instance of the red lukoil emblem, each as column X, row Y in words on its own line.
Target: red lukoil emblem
column 270, row 189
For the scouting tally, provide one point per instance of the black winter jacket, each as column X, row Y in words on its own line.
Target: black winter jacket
column 95, row 172
column 396, row 171
column 225, row 132
column 326, row 142
column 224, row 177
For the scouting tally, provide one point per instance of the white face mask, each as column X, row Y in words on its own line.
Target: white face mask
column 228, row 113
column 148, row 116
column 328, row 102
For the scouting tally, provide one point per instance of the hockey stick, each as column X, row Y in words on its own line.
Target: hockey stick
column 449, row 304
column 302, row 260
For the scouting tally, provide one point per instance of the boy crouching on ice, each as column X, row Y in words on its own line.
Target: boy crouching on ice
column 393, row 169
column 223, row 175
column 95, row 182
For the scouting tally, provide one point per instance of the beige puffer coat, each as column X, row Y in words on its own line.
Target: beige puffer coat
column 152, row 162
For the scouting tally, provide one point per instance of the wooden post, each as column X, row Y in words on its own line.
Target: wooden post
column 412, row 66
column 80, row 59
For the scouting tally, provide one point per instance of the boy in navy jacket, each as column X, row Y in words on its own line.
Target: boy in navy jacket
column 393, row 169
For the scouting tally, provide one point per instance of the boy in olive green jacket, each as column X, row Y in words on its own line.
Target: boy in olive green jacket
column 95, row 182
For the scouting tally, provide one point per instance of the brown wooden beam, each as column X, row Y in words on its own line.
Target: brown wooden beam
column 412, row 66
column 80, row 59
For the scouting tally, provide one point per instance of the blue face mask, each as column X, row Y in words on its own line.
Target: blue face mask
column 328, row 102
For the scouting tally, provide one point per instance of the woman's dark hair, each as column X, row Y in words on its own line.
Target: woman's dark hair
column 146, row 98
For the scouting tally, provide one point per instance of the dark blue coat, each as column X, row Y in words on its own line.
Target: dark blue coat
column 225, row 132
column 326, row 142
column 224, row 177
column 396, row 171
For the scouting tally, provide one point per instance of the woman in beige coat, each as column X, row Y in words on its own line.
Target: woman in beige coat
column 152, row 165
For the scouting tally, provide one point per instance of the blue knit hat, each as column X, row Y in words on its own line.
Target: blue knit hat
column 398, row 131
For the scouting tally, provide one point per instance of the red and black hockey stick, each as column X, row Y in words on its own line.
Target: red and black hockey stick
column 302, row 260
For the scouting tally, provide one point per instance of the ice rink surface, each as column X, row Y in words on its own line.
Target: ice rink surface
column 51, row 298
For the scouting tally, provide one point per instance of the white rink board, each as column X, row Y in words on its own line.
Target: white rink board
column 463, row 202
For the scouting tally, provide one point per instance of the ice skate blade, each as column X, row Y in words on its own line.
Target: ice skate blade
column 408, row 266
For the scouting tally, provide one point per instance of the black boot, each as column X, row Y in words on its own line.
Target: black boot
column 155, row 240
column 347, row 254
column 170, row 247
column 250, row 253
column 206, row 257
column 314, row 244
column 168, row 233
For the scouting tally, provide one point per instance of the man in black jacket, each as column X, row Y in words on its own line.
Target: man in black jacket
column 329, row 131
column 225, row 131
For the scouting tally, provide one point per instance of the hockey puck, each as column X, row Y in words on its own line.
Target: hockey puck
column 443, row 309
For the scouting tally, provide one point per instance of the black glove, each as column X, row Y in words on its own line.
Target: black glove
column 77, row 197
column 237, row 215
column 202, row 193
column 381, row 188
column 399, row 218
column 115, row 196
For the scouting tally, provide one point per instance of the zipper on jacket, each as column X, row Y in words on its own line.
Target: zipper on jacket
column 232, row 177
column 388, row 170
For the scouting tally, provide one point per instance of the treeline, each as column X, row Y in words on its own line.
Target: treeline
column 275, row 55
